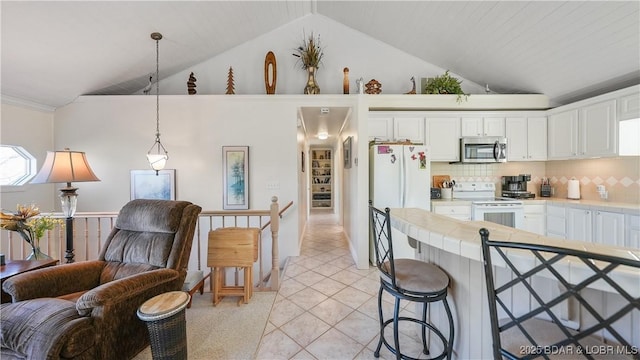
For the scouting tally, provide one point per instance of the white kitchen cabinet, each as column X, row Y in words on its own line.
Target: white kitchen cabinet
column 409, row 128
column 380, row 128
column 579, row 224
column 459, row 212
column 598, row 128
column 443, row 138
column 586, row 132
column 632, row 232
column 629, row 107
column 526, row 138
column 535, row 219
column 556, row 221
column 562, row 135
column 608, row 228
column 397, row 128
column 482, row 126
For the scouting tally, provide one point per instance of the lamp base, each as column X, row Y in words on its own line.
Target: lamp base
column 69, row 252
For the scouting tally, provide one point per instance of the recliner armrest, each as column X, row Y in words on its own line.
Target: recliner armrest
column 123, row 289
column 54, row 281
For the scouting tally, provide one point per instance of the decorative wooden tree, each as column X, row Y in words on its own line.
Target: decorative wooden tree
column 230, row 83
column 191, row 84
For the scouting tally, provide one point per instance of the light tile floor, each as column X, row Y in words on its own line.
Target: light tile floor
column 326, row 308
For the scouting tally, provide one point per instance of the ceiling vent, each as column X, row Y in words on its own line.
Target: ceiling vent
column 324, row 110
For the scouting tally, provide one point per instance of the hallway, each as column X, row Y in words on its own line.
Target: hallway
column 326, row 308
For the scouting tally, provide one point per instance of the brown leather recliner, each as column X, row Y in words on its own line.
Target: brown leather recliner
column 87, row 310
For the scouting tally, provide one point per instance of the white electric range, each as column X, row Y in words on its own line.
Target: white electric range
column 485, row 206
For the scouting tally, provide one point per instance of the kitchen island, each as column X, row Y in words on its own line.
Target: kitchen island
column 455, row 246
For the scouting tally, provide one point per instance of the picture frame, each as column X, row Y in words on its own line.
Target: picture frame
column 346, row 148
column 146, row 184
column 235, row 173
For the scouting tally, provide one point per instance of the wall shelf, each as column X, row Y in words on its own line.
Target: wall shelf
column 321, row 179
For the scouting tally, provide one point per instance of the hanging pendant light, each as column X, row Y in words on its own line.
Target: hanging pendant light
column 157, row 155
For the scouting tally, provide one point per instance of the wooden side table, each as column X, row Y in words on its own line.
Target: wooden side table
column 15, row 267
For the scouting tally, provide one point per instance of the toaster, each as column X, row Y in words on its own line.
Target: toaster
column 436, row 193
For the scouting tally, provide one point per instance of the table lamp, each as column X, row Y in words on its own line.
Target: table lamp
column 66, row 167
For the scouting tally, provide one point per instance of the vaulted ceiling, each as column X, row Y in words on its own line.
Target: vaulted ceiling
column 54, row 51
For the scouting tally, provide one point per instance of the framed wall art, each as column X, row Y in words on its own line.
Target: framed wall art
column 235, row 169
column 346, row 148
column 145, row 184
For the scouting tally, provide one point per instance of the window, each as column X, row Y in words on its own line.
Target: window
column 17, row 166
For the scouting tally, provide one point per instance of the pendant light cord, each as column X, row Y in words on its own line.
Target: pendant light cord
column 158, row 91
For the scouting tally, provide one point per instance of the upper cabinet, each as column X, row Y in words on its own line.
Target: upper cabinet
column 585, row 132
column 526, row 138
column 443, row 137
column 392, row 127
column 483, row 126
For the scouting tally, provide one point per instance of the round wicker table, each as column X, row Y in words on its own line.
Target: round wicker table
column 165, row 318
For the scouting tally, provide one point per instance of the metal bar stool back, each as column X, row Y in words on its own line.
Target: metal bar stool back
column 547, row 278
column 410, row 280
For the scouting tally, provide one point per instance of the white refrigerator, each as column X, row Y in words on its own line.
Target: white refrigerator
column 399, row 176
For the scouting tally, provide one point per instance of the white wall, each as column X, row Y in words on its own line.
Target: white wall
column 365, row 56
column 33, row 130
column 117, row 131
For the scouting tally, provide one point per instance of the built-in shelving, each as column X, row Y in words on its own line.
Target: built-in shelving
column 321, row 178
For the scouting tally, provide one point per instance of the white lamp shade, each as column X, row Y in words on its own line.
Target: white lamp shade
column 65, row 167
column 157, row 161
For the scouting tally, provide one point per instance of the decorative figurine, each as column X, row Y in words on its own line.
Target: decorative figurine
column 191, row 84
column 373, row 87
column 230, row 87
column 345, row 81
column 360, row 83
column 413, row 90
column 270, row 73
column 147, row 88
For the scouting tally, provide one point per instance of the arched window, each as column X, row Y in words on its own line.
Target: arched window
column 17, row 166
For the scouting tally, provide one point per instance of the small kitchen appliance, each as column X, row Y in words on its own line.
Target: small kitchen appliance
column 435, row 193
column 516, row 187
column 483, row 149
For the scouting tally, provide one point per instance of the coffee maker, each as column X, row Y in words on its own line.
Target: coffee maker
column 516, row 187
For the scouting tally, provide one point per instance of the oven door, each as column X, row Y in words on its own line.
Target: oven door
column 511, row 215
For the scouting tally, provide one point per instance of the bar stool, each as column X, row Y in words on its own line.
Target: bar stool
column 411, row 280
column 232, row 247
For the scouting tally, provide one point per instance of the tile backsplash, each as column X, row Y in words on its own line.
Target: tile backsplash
column 620, row 176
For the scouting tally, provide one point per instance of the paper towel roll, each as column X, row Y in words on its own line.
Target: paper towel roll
column 573, row 189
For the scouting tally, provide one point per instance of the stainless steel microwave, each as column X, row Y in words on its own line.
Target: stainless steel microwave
column 483, row 149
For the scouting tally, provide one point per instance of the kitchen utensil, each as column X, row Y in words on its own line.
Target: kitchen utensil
column 438, row 180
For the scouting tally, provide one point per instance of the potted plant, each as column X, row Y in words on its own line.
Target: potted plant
column 445, row 84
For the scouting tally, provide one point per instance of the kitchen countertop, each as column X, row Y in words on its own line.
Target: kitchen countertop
column 627, row 208
column 462, row 238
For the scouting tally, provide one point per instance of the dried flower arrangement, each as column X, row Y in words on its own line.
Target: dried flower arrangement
column 310, row 53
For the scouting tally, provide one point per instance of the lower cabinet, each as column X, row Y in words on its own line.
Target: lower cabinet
column 535, row 219
column 608, row 228
column 556, row 221
column 597, row 226
column 459, row 212
column 632, row 232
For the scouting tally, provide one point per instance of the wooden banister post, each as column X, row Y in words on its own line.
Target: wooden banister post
column 275, row 257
